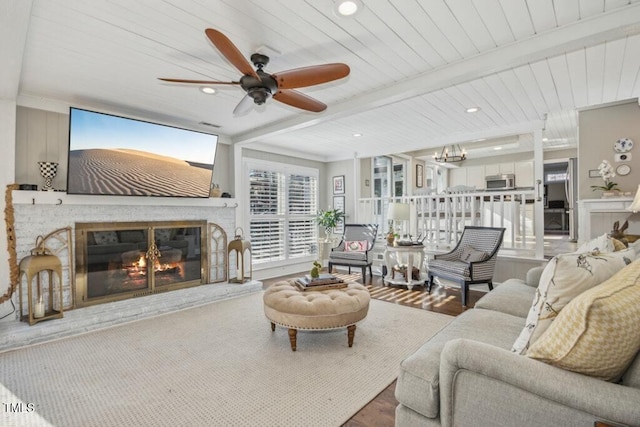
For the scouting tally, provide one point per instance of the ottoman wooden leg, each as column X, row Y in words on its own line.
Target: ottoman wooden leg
column 351, row 332
column 273, row 326
column 292, row 338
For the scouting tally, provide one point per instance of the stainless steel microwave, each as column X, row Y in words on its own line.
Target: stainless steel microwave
column 501, row 182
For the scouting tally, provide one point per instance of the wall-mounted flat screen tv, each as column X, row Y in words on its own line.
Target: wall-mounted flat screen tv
column 112, row 155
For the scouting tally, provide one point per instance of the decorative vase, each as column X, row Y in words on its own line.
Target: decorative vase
column 328, row 234
column 48, row 170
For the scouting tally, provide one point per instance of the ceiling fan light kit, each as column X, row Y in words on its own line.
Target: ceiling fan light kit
column 260, row 85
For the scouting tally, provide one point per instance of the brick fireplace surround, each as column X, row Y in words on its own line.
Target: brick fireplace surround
column 38, row 213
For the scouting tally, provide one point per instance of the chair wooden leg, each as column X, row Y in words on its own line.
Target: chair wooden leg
column 490, row 286
column 465, row 293
column 370, row 273
column 330, row 268
column 430, row 284
column 364, row 274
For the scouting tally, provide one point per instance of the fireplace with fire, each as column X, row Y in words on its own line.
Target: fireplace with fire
column 122, row 260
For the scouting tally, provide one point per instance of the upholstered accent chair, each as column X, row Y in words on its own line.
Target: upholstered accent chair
column 472, row 261
column 355, row 248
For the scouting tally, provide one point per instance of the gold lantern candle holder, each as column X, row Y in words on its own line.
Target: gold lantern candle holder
column 242, row 250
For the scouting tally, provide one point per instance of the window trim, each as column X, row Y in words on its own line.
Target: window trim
column 287, row 169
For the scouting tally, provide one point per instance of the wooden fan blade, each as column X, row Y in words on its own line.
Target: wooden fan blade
column 299, row 100
column 231, row 52
column 199, row 82
column 309, row 76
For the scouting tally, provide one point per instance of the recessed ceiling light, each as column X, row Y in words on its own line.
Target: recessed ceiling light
column 208, row 90
column 357, row 135
column 472, row 109
column 545, row 139
column 347, row 7
column 479, row 140
column 497, row 148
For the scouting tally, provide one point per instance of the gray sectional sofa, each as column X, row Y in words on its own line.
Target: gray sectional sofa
column 466, row 375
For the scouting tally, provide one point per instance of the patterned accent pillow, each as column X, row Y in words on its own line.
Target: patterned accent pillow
column 355, row 246
column 105, row 237
column 597, row 333
column 565, row 277
column 470, row 254
column 602, row 243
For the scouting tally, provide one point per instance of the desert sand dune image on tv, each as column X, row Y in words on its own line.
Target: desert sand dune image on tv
column 114, row 155
column 136, row 173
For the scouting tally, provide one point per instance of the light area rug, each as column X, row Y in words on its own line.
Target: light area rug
column 217, row 364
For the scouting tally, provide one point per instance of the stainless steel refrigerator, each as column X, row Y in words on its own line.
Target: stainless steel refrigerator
column 571, row 192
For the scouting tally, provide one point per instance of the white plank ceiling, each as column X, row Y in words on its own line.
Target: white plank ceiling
column 416, row 65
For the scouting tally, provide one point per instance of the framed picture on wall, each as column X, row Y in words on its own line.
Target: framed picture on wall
column 419, row 176
column 338, row 203
column 338, row 184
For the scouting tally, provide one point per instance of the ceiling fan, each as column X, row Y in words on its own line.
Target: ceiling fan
column 261, row 86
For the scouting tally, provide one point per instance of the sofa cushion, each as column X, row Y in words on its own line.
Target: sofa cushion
column 631, row 377
column 457, row 268
column 349, row 257
column 565, row 277
column 418, row 383
column 597, row 333
column 512, row 296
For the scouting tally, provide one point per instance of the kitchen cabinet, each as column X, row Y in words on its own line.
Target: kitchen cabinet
column 476, row 177
column 524, row 174
column 457, row 176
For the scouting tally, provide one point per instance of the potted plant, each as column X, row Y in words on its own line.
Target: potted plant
column 605, row 170
column 328, row 220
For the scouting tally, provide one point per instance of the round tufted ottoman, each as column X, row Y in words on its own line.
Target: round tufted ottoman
column 288, row 306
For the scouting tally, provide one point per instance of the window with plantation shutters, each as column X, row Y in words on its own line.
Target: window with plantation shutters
column 283, row 201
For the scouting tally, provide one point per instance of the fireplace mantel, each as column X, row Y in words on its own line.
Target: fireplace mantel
column 60, row 197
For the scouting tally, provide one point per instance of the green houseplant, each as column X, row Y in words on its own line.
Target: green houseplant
column 328, row 220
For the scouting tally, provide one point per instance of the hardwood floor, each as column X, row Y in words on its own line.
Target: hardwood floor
column 380, row 412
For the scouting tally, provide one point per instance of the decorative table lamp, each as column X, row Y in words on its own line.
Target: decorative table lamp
column 48, row 171
column 398, row 212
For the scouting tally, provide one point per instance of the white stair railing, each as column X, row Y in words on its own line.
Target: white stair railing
column 440, row 218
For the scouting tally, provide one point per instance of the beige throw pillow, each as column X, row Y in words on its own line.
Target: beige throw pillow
column 597, row 333
column 565, row 277
column 602, row 243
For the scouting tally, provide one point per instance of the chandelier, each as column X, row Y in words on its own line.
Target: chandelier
column 450, row 155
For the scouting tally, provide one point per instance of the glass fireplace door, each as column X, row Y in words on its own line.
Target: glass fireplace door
column 123, row 260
